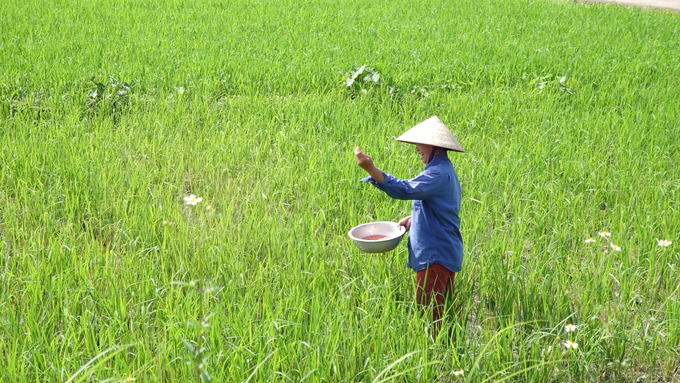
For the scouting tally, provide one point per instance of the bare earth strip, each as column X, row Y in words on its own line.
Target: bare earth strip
column 670, row 5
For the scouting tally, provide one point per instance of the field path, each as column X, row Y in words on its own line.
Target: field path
column 670, row 5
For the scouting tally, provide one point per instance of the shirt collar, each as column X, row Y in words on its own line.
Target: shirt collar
column 437, row 159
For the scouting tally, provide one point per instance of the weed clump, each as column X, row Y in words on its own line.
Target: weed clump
column 110, row 98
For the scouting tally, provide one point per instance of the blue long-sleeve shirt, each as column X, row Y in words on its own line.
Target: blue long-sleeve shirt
column 435, row 224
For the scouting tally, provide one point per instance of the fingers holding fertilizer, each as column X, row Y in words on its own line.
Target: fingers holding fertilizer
column 366, row 163
column 363, row 159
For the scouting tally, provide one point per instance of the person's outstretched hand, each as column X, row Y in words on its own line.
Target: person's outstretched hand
column 366, row 163
column 405, row 222
column 363, row 159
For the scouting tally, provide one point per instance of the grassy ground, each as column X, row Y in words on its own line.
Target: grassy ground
column 112, row 112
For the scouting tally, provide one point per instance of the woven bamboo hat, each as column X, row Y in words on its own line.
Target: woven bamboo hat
column 432, row 132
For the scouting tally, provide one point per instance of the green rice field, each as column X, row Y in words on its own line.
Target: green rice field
column 112, row 112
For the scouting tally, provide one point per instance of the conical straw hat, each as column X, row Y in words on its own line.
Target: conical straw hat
column 432, row 132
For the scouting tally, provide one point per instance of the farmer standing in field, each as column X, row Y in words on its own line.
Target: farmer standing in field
column 435, row 246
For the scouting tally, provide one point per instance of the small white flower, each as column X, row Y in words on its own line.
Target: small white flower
column 615, row 247
column 604, row 234
column 192, row 200
column 458, row 372
column 570, row 328
column 589, row 240
column 570, row 344
column 664, row 242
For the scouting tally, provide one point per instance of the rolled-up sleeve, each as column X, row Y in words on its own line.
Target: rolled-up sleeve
column 423, row 186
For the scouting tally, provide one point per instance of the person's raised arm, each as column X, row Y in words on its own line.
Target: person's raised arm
column 366, row 163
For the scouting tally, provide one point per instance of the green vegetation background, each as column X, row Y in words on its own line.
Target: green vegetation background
column 111, row 112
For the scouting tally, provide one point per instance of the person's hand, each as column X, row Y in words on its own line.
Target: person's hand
column 363, row 159
column 406, row 223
